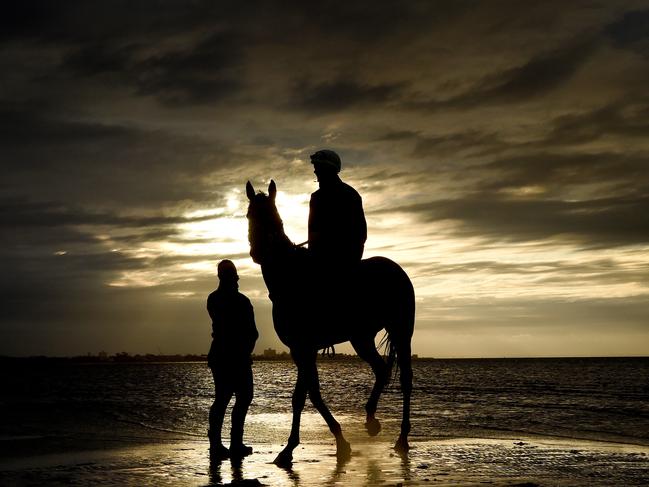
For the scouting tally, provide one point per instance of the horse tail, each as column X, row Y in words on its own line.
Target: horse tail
column 390, row 352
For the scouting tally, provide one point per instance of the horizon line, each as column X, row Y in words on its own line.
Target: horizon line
column 286, row 353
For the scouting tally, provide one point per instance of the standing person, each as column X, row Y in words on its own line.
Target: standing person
column 337, row 227
column 233, row 339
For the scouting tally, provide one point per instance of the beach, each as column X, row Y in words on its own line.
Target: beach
column 460, row 461
column 563, row 422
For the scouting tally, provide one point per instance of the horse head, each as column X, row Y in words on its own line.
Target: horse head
column 265, row 228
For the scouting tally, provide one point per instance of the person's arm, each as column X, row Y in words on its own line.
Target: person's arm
column 356, row 225
column 213, row 353
column 221, row 321
column 211, row 311
column 251, row 333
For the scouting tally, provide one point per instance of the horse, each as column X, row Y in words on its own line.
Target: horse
column 309, row 316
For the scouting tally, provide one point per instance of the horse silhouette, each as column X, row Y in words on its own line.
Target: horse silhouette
column 311, row 313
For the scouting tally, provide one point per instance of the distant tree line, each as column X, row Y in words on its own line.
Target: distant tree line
column 269, row 354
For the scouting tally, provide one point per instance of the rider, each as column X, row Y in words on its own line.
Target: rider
column 337, row 227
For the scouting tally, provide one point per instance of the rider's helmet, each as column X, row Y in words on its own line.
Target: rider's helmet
column 328, row 157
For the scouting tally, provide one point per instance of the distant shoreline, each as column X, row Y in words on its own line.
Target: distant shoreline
column 124, row 358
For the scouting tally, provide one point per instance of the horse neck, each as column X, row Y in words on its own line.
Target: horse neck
column 278, row 270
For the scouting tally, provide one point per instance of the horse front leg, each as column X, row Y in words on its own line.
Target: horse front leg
column 285, row 457
column 343, row 449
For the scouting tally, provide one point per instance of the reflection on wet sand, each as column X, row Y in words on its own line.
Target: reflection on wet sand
column 236, row 472
column 373, row 463
column 291, row 474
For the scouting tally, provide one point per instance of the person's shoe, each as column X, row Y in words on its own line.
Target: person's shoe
column 240, row 450
column 219, row 452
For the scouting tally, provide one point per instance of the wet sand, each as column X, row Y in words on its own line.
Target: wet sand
column 439, row 462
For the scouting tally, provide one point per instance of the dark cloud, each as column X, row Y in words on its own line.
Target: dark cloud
column 45, row 285
column 15, row 213
column 631, row 31
column 556, row 173
column 368, row 22
column 397, row 135
column 99, row 164
column 474, row 144
column 202, row 52
column 76, row 21
column 30, row 19
column 550, row 272
column 462, row 144
column 548, row 70
column 342, row 95
column 538, row 76
column 598, row 223
column 627, row 118
column 196, row 76
column 541, row 74
column 30, row 124
column 203, row 72
column 100, row 59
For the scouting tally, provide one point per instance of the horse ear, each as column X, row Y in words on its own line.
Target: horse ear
column 250, row 191
column 272, row 190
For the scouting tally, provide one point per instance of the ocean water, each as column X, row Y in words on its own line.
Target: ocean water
column 596, row 399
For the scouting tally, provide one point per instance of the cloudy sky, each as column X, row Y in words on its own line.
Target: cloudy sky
column 501, row 150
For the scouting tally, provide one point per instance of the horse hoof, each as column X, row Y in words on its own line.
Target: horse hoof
column 373, row 427
column 284, row 459
column 343, row 450
column 401, row 446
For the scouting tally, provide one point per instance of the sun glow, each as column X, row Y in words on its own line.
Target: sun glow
column 225, row 235
column 294, row 210
column 204, row 266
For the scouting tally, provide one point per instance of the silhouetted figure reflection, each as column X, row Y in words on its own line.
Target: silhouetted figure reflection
column 215, row 471
column 337, row 226
column 236, row 471
column 233, row 339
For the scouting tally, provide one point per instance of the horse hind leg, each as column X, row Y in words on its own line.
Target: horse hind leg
column 367, row 351
column 405, row 379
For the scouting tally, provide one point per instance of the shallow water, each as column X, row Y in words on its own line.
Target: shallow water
column 600, row 399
